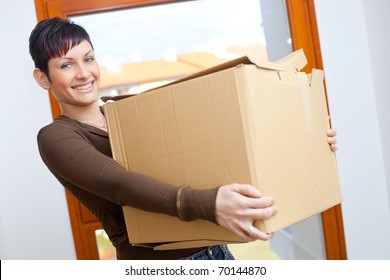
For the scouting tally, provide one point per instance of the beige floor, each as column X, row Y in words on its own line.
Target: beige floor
column 258, row 250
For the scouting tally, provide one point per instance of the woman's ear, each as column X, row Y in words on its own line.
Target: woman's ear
column 41, row 78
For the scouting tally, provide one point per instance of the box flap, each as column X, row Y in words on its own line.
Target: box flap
column 294, row 61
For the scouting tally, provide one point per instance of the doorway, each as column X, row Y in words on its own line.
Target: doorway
column 296, row 29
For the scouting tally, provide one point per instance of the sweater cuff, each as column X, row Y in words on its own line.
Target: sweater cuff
column 195, row 204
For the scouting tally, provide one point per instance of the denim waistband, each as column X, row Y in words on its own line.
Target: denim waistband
column 218, row 252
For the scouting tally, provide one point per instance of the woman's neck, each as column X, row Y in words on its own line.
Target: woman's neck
column 86, row 114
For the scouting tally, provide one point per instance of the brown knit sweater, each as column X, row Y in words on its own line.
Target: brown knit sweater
column 79, row 156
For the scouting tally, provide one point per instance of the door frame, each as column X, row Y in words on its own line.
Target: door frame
column 304, row 34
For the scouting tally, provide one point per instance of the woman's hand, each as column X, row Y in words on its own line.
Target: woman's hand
column 239, row 205
column 332, row 140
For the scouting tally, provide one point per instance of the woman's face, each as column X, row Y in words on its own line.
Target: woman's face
column 75, row 76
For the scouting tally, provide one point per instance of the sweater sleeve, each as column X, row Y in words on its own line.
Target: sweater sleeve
column 205, row 199
column 75, row 161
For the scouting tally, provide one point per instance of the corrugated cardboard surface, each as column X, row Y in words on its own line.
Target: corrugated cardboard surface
column 263, row 124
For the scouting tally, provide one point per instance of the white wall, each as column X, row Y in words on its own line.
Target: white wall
column 34, row 222
column 355, row 48
column 378, row 23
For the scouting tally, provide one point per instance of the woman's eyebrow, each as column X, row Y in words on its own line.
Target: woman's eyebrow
column 89, row 52
column 71, row 58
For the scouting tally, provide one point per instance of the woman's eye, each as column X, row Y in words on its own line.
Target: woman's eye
column 65, row 65
column 89, row 59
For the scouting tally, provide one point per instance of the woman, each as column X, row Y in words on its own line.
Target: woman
column 75, row 147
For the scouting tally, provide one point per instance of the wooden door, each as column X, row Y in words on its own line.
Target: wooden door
column 303, row 30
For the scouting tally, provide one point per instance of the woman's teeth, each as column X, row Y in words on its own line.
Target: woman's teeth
column 83, row 87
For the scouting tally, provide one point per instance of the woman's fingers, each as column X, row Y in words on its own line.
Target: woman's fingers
column 261, row 202
column 245, row 190
column 260, row 213
column 332, row 140
column 332, row 132
column 249, row 232
column 256, row 234
column 238, row 206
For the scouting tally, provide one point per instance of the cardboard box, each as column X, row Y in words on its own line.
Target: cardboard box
column 244, row 121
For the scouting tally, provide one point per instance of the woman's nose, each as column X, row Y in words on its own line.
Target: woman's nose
column 82, row 72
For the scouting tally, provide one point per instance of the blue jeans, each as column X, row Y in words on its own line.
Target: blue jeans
column 219, row 252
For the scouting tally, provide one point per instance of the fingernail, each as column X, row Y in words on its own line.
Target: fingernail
column 257, row 192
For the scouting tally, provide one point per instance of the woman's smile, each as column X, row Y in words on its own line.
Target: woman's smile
column 85, row 87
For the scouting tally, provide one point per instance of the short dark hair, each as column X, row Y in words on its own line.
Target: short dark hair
column 53, row 38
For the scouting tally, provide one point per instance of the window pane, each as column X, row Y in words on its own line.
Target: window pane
column 145, row 47
column 105, row 248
